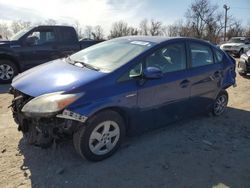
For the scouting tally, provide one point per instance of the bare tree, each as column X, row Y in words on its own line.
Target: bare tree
column 88, row 32
column 119, row 29
column 199, row 15
column 156, row 28
column 78, row 29
column 19, row 25
column 204, row 20
column 133, row 31
column 5, row 31
column 50, row 22
column 235, row 30
column 152, row 28
column 173, row 30
column 143, row 27
column 98, row 33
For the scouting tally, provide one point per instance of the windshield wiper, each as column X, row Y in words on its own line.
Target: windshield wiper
column 89, row 66
column 83, row 64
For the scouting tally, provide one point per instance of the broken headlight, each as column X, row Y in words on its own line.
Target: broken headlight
column 51, row 103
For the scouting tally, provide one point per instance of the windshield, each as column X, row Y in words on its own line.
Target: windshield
column 19, row 34
column 110, row 55
column 236, row 40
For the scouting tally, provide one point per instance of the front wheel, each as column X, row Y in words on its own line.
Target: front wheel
column 101, row 137
column 220, row 103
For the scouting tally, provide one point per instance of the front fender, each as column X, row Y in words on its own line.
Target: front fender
column 123, row 101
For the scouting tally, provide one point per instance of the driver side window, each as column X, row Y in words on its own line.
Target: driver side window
column 41, row 37
column 169, row 58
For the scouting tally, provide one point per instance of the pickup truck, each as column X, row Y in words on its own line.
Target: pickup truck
column 236, row 45
column 36, row 45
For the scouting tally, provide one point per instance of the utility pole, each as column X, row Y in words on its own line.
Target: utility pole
column 225, row 29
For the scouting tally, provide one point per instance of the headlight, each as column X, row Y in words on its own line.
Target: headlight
column 51, row 103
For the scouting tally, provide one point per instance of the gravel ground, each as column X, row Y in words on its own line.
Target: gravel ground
column 201, row 152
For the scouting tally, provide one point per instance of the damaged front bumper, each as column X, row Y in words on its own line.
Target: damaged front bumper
column 43, row 130
column 66, row 114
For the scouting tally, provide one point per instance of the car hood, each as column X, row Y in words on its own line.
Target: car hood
column 9, row 44
column 233, row 44
column 57, row 75
column 4, row 44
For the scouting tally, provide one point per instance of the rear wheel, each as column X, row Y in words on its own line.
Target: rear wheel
column 220, row 103
column 8, row 70
column 101, row 137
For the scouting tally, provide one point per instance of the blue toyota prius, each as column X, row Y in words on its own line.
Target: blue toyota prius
column 118, row 87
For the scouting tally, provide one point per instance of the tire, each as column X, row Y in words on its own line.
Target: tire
column 220, row 103
column 8, row 70
column 101, row 137
column 242, row 74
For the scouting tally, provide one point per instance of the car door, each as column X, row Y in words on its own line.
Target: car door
column 164, row 100
column 43, row 49
column 205, row 76
column 68, row 42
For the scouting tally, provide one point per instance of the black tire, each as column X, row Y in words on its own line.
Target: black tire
column 223, row 95
column 7, row 65
column 81, row 138
column 242, row 74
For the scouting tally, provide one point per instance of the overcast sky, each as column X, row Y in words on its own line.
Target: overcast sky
column 105, row 12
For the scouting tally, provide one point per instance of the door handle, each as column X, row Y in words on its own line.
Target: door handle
column 216, row 75
column 184, row 83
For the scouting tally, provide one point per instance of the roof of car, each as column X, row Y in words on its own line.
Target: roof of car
column 60, row 26
column 157, row 39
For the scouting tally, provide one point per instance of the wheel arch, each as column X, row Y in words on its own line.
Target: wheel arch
column 223, row 90
column 118, row 110
column 10, row 58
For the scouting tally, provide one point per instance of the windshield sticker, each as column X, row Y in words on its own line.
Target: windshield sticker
column 141, row 43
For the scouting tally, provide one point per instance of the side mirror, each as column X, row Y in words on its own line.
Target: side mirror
column 247, row 43
column 31, row 40
column 152, row 73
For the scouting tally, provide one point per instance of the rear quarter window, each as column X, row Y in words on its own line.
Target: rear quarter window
column 68, row 35
column 218, row 56
column 201, row 55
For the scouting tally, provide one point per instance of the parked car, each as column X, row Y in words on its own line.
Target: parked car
column 244, row 64
column 122, row 86
column 236, row 46
column 36, row 45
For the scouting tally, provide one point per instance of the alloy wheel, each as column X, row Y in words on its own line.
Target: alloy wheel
column 104, row 137
column 220, row 104
column 6, row 72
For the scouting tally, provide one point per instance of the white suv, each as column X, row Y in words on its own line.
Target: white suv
column 236, row 45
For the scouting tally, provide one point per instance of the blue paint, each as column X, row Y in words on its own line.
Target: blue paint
column 144, row 103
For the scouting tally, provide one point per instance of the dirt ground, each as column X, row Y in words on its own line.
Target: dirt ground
column 201, row 152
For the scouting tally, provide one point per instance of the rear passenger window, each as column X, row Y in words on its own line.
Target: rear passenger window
column 201, row 55
column 68, row 35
